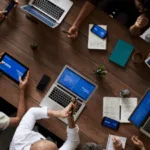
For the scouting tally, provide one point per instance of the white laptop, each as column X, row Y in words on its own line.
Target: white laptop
column 141, row 115
column 69, row 84
column 50, row 12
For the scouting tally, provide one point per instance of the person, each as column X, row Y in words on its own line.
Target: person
column 134, row 14
column 6, row 121
column 117, row 145
column 26, row 139
column 2, row 13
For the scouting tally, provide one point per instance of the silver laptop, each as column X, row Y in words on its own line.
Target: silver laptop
column 50, row 12
column 141, row 115
column 69, row 84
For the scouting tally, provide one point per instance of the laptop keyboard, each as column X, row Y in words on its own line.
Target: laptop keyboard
column 147, row 126
column 49, row 8
column 62, row 98
column 42, row 17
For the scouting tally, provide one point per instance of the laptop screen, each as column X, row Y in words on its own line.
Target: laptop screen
column 142, row 110
column 76, row 84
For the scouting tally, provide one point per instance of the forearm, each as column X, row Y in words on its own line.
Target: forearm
column 85, row 11
column 71, row 123
column 143, row 148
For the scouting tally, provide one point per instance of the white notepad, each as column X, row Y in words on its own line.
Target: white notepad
column 95, row 42
column 118, row 108
column 146, row 35
column 110, row 142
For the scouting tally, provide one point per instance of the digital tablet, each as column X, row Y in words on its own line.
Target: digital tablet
column 12, row 67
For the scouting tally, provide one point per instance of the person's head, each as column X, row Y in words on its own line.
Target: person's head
column 43, row 145
column 143, row 5
column 4, row 121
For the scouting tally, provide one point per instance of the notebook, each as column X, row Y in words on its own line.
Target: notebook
column 110, row 142
column 118, row 108
column 95, row 42
column 146, row 35
column 121, row 53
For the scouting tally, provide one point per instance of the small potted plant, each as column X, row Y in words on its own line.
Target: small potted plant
column 100, row 71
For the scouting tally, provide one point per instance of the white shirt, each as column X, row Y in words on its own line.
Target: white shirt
column 24, row 137
column 4, row 121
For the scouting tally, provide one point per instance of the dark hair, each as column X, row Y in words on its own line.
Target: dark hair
column 146, row 4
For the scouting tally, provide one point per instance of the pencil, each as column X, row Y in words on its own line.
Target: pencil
column 2, row 12
column 66, row 32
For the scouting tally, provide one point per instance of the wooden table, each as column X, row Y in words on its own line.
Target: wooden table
column 56, row 50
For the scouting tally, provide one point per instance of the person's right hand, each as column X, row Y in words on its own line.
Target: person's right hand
column 138, row 143
column 23, row 83
column 73, row 32
column 117, row 144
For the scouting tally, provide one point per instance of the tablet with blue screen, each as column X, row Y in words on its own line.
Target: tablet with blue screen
column 12, row 67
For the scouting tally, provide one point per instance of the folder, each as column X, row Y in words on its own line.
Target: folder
column 121, row 53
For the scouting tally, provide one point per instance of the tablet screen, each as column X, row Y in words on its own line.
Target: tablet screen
column 12, row 67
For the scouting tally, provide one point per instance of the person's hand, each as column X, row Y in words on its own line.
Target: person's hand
column 73, row 32
column 142, row 21
column 138, row 143
column 0, row 57
column 23, row 83
column 66, row 112
column 117, row 144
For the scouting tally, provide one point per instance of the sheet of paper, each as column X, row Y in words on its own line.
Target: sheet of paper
column 111, row 107
column 110, row 142
column 146, row 35
column 94, row 42
column 127, row 107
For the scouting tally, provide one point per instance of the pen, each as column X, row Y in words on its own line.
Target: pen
column 66, row 32
column 2, row 12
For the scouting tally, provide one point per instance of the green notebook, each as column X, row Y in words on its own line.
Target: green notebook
column 121, row 53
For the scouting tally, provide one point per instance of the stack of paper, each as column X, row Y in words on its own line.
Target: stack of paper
column 110, row 142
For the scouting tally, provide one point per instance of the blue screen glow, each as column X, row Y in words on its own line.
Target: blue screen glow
column 99, row 31
column 141, row 111
column 12, row 68
column 76, row 84
column 110, row 123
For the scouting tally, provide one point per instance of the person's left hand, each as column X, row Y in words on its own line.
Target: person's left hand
column 142, row 21
column 0, row 57
column 64, row 113
column 23, row 83
column 117, row 144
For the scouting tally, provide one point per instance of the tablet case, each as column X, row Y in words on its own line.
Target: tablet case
column 121, row 53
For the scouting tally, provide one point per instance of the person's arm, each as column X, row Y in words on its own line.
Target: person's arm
column 85, row 11
column 141, row 22
column 14, row 121
column 138, row 143
column 73, row 139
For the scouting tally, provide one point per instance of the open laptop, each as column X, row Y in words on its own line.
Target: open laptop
column 141, row 115
column 50, row 12
column 69, row 84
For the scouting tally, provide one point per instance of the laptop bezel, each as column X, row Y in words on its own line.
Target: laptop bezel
column 137, row 106
column 61, row 18
column 83, row 76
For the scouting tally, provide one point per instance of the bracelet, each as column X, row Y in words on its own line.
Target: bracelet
column 141, row 57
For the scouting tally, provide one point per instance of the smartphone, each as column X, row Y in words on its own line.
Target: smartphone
column 10, row 7
column 43, row 83
column 110, row 123
column 99, row 31
column 147, row 61
column 74, row 101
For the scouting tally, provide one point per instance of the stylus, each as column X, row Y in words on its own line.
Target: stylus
column 66, row 32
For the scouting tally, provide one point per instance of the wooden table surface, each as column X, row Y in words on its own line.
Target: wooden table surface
column 17, row 33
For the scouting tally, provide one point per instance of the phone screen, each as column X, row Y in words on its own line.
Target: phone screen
column 147, row 61
column 43, row 83
column 99, row 31
column 110, row 123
